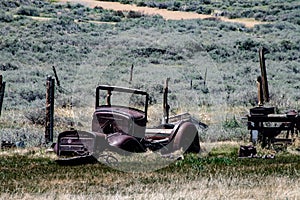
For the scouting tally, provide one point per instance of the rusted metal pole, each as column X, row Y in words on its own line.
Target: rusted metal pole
column 50, row 87
column 2, row 89
column 131, row 74
column 264, row 74
column 166, row 106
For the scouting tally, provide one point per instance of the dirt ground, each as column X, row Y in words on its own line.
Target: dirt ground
column 166, row 14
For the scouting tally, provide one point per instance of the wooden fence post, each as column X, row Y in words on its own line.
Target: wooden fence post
column 205, row 75
column 131, row 74
column 2, row 89
column 166, row 106
column 50, row 85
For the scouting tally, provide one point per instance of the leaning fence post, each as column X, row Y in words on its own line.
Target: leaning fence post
column 50, row 86
column 56, row 77
column 2, row 89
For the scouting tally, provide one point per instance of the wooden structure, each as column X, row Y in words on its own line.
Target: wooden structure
column 268, row 126
column 265, row 126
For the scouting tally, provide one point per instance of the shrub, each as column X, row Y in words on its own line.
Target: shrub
column 28, row 11
column 36, row 116
column 110, row 18
column 32, row 94
column 8, row 67
column 141, row 3
column 259, row 15
column 6, row 17
column 248, row 44
column 231, row 123
column 134, row 14
column 176, row 6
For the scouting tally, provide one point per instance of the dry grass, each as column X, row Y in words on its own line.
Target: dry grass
column 34, row 175
column 205, row 188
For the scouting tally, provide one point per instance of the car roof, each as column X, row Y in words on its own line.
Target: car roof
column 121, row 89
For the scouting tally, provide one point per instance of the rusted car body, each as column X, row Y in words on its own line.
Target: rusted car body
column 123, row 129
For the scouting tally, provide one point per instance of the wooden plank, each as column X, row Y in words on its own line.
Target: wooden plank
column 158, row 131
column 264, row 74
column 273, row 118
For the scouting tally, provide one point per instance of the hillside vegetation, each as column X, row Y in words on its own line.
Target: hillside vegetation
column 92, row 46
column 36, row 35
column 259, row 9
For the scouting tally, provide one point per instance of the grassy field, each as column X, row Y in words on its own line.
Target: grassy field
column 216, row 174
column 87, row 53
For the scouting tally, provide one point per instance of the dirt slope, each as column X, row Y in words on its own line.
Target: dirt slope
column 166, row 14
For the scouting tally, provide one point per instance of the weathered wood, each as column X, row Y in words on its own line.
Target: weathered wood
column 264, row 74
column 47, row 119
column 260, row 91
column 56, row 77
column 155, row 131
column 50, row 87
column 269, row 133
column 205, row 75
column 131, row 74
column 52, row 109
column 166, row 106
column 2, row 89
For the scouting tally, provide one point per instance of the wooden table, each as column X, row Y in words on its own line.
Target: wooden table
column 271, row 125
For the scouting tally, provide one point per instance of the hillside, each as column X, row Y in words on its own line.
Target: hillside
column 87, row 52
column 168, row 14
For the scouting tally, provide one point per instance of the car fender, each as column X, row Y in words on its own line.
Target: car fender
column 125, row 142
column 186, row 138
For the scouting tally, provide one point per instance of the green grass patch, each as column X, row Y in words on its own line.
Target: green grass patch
column 31, row 174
